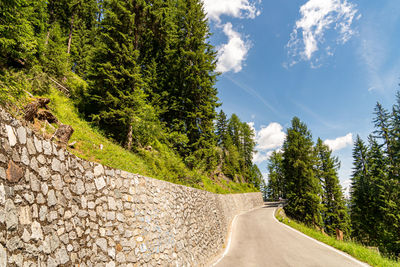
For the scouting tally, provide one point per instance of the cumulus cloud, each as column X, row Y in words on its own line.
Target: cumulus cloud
column 232, row 55
column 270, row 137
column 317, row 17
column 340, row 142
column 232, row 8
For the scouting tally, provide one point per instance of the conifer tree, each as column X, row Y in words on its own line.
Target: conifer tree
column 192, row 97
column 18, row 44
column 276, row 183
column 334, row 213
column 116, row 93
column 221, row 129
column 360, row 193
column 303, row 190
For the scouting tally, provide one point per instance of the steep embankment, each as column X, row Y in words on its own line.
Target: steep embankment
column 159, row 161
column 59, row 209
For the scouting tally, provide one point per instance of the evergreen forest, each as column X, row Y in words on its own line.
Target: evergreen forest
column 141, row 73
column 305, row 174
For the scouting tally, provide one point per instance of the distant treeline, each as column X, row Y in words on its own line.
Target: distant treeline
column 142, row 71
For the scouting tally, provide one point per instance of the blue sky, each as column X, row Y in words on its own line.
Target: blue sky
column 326, row 61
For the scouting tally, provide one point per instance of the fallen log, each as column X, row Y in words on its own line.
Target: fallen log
column 32, row 108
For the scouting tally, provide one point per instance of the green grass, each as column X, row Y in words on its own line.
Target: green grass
column 358, row 251
column 160, row 163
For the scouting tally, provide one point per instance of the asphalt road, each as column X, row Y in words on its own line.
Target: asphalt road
column 260, row 240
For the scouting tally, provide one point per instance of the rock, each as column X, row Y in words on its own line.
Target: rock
column 26, row 236
column 30, row 146
column 38, row 144
column 14, row 243
column 55, row 165
column 120, row 217
column 45, row 188
column 40, row 199
column 21, row 132
column 110, row 264
column 2, row 194
column 14, row 172
column 35, row 184
column 62, row 255
column 120, row 257
column 36, row 230
column 34, row 164
column 35, row 212
column 79, row 187
column 47, row 147
column 12, row 139
column 11, row 217
column 25, row 216
column 111, row 253
column 42, row 213
column 44, row 173
column 111, row 216
column 102, row 243
column 51, row 262
column 3, row 256
column 51, row 198
column 100, row 183
column 57, row 182
column 24, row 156
column 53, row 215
column 41, row 159
column 70, row 247
column 112, row 205
column 98, row 170
column 29, row 197
column 3, row 174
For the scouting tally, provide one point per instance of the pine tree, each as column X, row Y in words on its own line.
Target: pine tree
column 334, row 213
column 18, row 43
column 117, row 99
column 221, row 129
column 360, row 193
column 302, row 187
column 276, row 183
column 191, row 97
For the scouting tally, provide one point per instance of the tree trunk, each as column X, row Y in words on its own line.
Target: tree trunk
column 129, row 138
column 63, row 133
column 31, row 109
column 70, row 34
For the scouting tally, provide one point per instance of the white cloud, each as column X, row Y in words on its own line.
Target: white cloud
column 340, row 142
column 346, row 186
column 317, row 17
column 270, row 137
column 232, row 55
column 232, row 8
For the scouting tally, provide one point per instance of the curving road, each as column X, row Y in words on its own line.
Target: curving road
column 258, row 239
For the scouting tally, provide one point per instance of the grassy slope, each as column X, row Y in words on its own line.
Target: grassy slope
column 162, row 163
column 356, row 250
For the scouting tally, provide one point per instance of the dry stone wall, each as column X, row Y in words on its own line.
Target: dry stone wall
column 59, row 210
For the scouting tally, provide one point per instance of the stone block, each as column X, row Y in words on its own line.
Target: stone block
column 14, row 172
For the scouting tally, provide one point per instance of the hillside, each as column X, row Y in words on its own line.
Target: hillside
column 136, row 82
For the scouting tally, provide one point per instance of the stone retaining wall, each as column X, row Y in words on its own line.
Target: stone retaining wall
column 57, row 209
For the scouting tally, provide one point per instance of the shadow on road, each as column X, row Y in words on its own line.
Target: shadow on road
column 272, row 204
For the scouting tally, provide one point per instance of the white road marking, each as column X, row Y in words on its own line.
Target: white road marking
column 322, row 244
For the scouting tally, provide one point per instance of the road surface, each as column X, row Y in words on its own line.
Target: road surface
column 260, row 240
